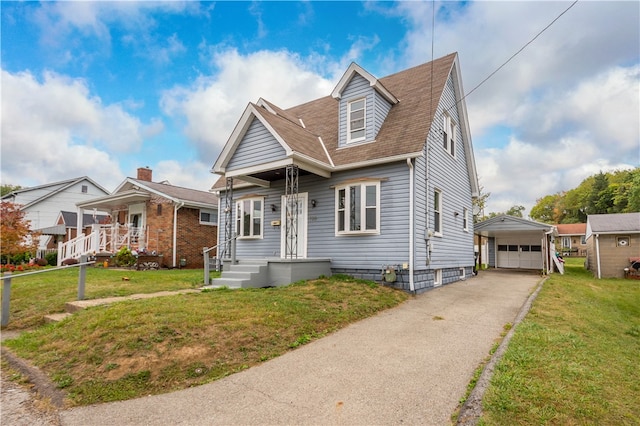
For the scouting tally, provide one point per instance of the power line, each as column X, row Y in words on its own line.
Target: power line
column 518, row 52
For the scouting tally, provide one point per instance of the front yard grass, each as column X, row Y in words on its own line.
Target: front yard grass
column 151, row 346
column 575, row 357
column 34, row 296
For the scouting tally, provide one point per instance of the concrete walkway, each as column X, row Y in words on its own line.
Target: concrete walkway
column 408, row 365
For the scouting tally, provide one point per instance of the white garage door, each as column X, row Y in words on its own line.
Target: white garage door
column 523, row 253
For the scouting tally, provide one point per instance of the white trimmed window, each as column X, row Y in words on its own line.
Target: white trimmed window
column 437, row 212
column 207, row 216
column 449, row 135
column 356, row 112
column 249, row 217
column 358, row 208
column 465, row 219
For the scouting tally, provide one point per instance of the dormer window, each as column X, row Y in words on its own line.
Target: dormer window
column 356, row 113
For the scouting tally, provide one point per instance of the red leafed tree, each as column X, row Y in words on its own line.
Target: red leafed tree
column 15, row 235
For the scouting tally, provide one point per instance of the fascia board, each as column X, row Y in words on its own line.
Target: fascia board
column 238, row 133
column 464, row 126
column 378, row 161
column 373, row 82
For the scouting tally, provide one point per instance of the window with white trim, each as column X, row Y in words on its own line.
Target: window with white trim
column 465, row 219
column 207, row 216
column 449, row 134
column 358, row 208
column 249, row 214
column 437, row 212
column 356, row 113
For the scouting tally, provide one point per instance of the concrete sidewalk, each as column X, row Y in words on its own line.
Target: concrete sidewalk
column 409, row 365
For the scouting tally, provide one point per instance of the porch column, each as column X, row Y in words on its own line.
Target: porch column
column 291, row 212
column 228, row 218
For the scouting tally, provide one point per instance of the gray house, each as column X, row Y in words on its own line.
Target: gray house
column 375, row 180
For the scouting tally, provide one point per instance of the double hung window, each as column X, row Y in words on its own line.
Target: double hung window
column 249, row 217
column 437, row 212
column 207, row 216
column 358, row 208
column 356, row 113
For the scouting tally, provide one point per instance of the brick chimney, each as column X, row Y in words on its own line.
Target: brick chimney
column 144, row 173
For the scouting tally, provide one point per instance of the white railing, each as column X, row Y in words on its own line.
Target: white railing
column 103, row 238
column 556, row 260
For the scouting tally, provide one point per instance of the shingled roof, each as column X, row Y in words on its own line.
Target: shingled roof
column 311, row 130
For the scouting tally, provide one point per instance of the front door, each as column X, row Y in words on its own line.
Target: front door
column 296, row 242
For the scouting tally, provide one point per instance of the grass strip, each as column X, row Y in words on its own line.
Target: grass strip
column 574, row 359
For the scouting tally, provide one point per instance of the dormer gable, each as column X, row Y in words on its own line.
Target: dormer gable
column 364, row 103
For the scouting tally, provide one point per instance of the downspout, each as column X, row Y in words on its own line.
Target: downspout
column 411, row 218
column 176, row 207
column 598, row 255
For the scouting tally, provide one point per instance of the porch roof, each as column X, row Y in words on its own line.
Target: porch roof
column 110, row 202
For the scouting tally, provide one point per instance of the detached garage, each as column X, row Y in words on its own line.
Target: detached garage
column 517, row 243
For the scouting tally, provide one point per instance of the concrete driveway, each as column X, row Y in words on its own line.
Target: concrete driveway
column 408, row 365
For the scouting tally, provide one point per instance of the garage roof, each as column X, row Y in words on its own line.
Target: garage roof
column 505, row 224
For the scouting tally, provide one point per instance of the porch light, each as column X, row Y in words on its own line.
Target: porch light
column 273, row 207
column 313, row 204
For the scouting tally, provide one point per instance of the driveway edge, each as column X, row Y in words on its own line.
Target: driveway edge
column 472, row 408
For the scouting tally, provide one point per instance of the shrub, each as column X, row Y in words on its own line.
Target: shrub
column 52, row 258
column 124, row 257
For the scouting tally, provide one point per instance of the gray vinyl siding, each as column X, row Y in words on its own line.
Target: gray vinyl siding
column 376, row 110
column 391, row 246
column 454, row 249
column 258, row 146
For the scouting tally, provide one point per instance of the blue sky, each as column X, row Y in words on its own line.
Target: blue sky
column 101, row 88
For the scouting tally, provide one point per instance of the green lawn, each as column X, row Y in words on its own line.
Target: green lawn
column 575, row 359
column 134, row 348
column 34, row 296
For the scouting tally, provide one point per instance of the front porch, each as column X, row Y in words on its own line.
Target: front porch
column 270, row 272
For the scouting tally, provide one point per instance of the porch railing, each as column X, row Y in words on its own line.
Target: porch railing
column 219, row 256
column 103, row 238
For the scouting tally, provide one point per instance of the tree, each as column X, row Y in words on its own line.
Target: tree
column 6, row 189
column 479, row 205
column 546, row 209
column 515, row 211
column 15, row 233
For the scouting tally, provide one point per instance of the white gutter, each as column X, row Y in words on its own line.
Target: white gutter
column 176, row 207
column 598, row 255
column 411, row 230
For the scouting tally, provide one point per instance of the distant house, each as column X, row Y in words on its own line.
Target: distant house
column 152, row 217
column 572, row 238
column 612, row 240
column 517, row 243
column 375, row 180
column 42, row 204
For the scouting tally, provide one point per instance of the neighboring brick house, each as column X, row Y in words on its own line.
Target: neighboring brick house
column 572, row 239
column 158, row 218
column 612, row 241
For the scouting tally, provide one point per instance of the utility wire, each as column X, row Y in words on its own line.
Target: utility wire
column 518, row 52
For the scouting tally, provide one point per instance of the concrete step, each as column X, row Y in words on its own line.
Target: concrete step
column 56, row 317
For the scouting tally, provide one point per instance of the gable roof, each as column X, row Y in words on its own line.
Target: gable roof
column 571, row 228
column 310, row 131
column 613, row 223
column 135, row 190
column 373, row 82
column 51, row 189
column 509, row 224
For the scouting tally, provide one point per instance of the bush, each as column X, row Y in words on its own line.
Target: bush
column 124, row 257
column 52, row 258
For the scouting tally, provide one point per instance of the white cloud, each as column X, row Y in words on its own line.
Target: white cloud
column 55, row 129
column 213, row 104
column 569, row 105
column 194, row 174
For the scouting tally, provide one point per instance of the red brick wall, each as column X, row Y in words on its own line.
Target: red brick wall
column 193, row 237
column 159, row 223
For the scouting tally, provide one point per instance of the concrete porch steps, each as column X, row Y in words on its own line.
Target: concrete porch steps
column 245, row 274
